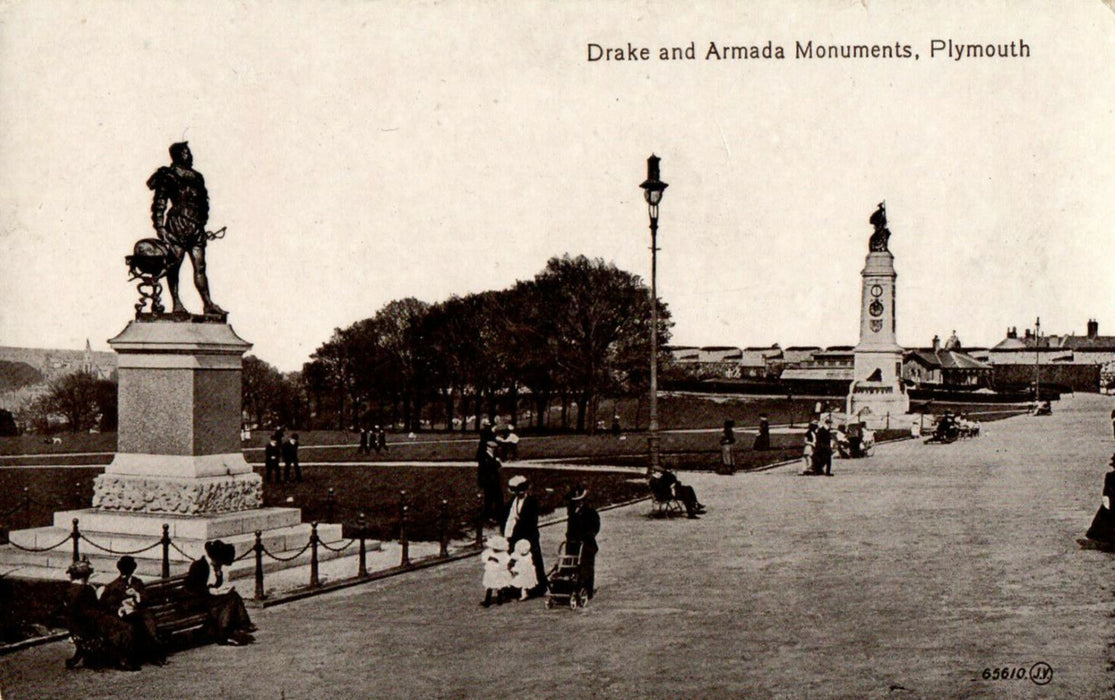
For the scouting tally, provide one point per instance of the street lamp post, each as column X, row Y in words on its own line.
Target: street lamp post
column 652, row 190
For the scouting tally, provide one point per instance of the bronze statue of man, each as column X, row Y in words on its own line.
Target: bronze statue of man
column 182, row 228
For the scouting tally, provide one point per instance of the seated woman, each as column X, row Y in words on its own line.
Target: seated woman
column 101, row 638
column 228, row 618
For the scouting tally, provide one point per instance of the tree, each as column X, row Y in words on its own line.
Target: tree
column 599, row 327
column 82, row 400
column 259, row 385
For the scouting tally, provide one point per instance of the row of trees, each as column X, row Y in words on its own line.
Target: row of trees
column 577, row 331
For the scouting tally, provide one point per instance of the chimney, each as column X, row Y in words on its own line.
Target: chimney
column 1093, row 328
column 1012, row 332
column 1028, row 334
column 936, row 343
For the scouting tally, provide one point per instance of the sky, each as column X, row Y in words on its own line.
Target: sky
column 361, row 152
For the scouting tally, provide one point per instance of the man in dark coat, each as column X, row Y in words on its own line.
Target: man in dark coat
column 520, row 522
column 123, row 596
column 363, row 448
column 580, row 534
column 205, row 581
column 487, row 434
column 271, row 460
column 487, row 480
column 290, row 459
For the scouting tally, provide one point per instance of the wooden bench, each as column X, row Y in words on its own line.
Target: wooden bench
column 177, row 614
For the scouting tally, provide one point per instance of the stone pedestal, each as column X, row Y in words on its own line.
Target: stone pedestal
column 877, row 394
column 178, row 446
column 178, row 463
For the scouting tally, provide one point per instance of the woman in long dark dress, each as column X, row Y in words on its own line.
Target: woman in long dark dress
column 1103, row 525
column 100, row 637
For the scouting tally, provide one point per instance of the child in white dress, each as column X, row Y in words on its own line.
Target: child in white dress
column 497, row 572
column 523, row 576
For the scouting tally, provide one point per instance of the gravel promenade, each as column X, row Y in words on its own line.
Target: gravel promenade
column 905, row 575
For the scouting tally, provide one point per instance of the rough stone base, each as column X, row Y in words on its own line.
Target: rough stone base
column 883, row 406
column 178, row 496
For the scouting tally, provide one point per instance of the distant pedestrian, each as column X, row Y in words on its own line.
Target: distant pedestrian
column 290, row 459
column 486, row 435
column 616, row 426
column 363, row 448
column 488, row 481
column 762, row 440
column 381, row 440
column 271, row 454
column 727, row 445
column 1102, row 529
column 915, row 427
column 808, row 449
column 822, row 450
column 1113, row 422
column 510, row 444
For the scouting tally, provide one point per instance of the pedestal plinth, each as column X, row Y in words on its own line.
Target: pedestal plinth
column 178, row 446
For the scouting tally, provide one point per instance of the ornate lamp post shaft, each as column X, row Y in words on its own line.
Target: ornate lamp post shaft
column 653, row 189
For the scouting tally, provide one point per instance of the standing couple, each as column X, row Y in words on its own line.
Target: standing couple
column 817, row 453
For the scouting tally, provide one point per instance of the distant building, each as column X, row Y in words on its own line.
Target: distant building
column 836, row 362
column 1075, row 361
column 945, row 366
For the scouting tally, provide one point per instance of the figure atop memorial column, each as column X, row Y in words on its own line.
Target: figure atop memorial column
column 182, row 228
column 878, row 243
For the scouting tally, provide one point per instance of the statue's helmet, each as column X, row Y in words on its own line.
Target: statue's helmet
column 180, row 152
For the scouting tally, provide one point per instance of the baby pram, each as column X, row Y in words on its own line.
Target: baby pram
column 566, row 587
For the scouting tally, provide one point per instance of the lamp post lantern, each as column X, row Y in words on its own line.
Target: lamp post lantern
column 652, row 190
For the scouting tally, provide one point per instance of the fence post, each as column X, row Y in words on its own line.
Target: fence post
column 314, row 582
column 330, row 504
column 77, row 493
column 362, row 524
column 76, row 535
column 26, row 507
column 479, row 519
column 444, row 552
column 165, row 541
column 403, row 508
column 259, row 564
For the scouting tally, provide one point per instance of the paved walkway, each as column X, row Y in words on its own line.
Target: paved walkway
column 905, row 575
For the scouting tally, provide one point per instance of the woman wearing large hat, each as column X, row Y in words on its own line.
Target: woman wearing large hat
column 1102, row 531
column 206, row 581
column 520, row 522
column 101, row 638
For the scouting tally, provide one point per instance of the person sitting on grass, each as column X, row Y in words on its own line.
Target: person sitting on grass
column 205, row 581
